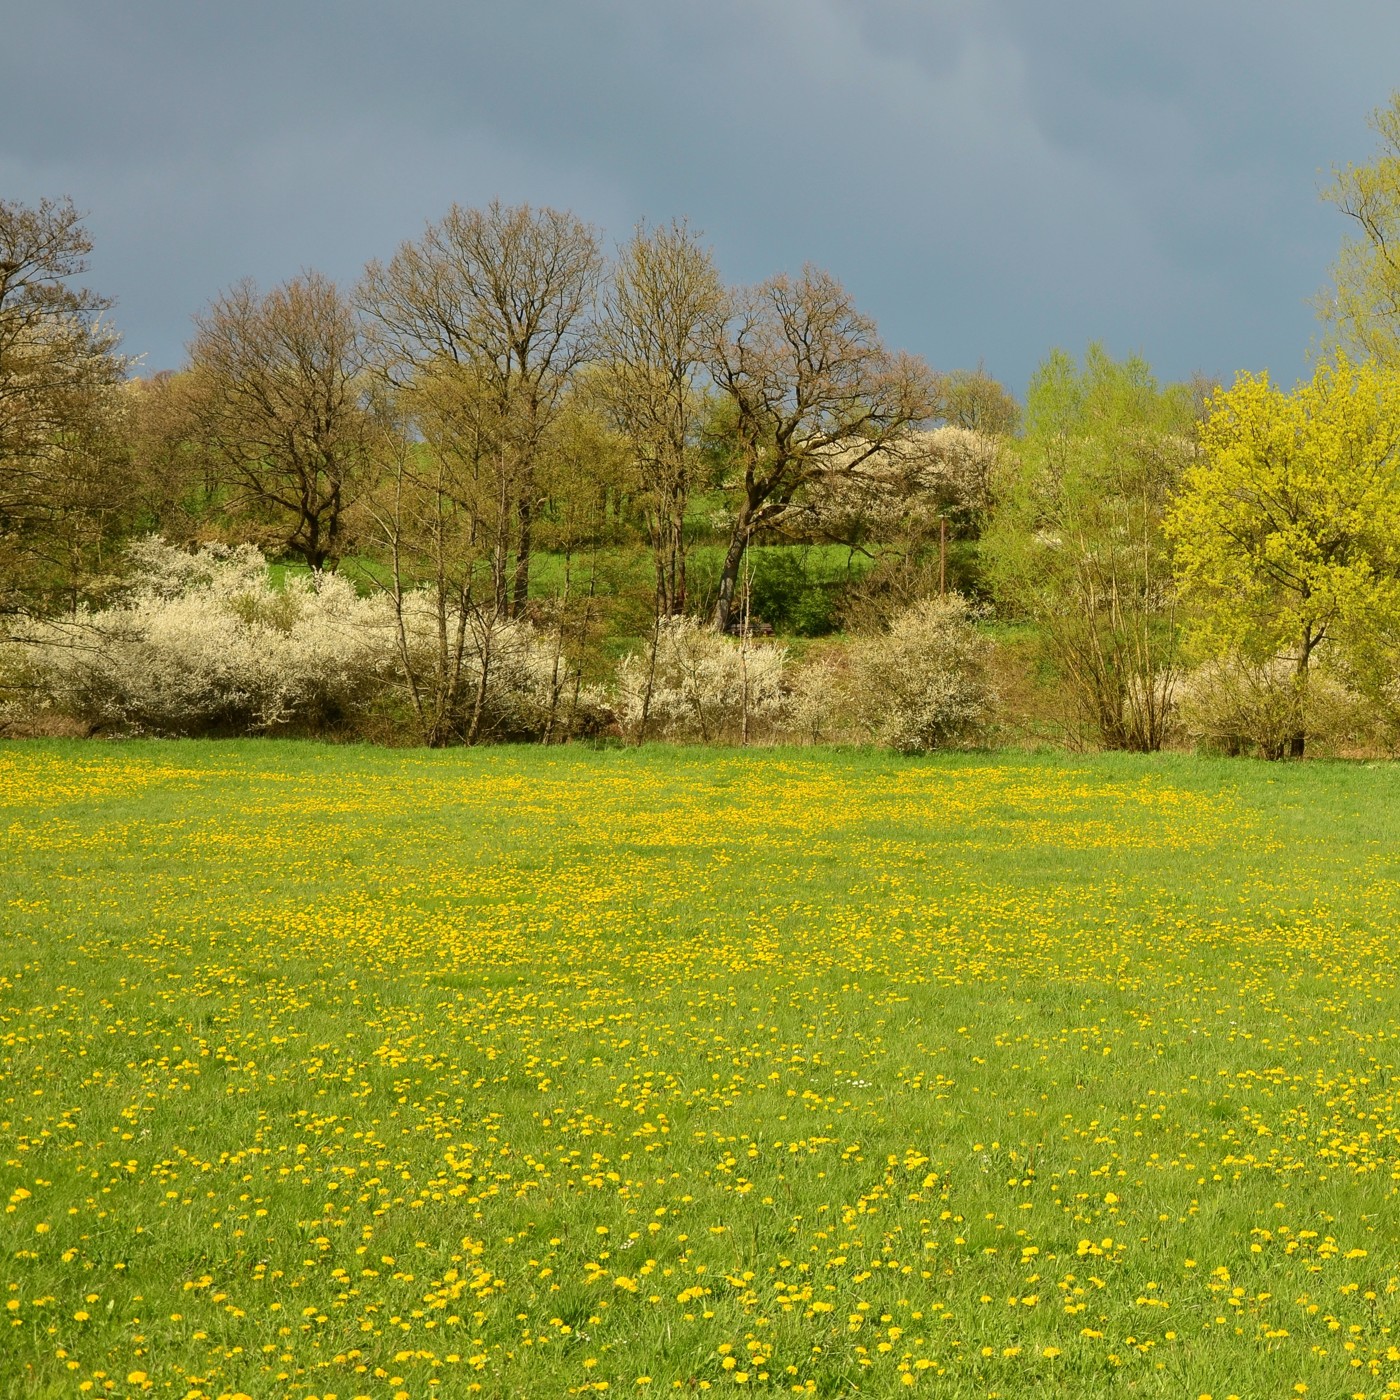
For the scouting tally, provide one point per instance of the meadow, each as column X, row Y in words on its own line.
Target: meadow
column 336, row 1072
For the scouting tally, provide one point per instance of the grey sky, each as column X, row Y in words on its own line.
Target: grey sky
column 989, row 179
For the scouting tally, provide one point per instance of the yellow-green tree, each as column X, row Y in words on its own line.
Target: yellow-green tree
column 1364, row 307
column 1287, row 533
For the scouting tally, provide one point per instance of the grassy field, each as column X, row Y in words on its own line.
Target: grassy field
column 336, row 1072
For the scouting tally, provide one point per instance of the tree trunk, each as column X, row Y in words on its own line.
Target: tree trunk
column 500, row 551
column 554, row 686
column 479, row 702
column 729, row 574
column 651, row 680
column 663, row 593
column 1298, row 740
column 522, row 559
column 666, row 528
column 332, row 549
column 744, row 630
column 313, row 551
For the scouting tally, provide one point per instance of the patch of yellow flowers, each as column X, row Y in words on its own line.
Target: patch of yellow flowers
column 332, row 1075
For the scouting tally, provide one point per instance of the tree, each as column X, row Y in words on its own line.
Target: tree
column 470, row 671
column 455, row 413
column 1076, row 543
column 282, row 403
column 501, row 298
column 1287, row 532
column 586, row 467
column 424, row 515
column 663, row 308
column 174, row 479
column 59, row 371
column 1364, row 307
column 903, row 510
column 809, row 393
column 972, row 399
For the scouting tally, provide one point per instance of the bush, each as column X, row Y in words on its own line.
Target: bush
column 791, row 590
column 797, row 589
column 702, row 686
column 203, row 644
column 923, row 683
column 817, row 700
column 1233, row 706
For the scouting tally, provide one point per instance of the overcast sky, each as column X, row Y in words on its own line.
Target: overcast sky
column 990, row 178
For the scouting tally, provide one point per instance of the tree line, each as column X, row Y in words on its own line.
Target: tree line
column 479, row 427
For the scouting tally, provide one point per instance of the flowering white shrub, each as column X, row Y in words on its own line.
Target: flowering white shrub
column 702, row 685
column 203, row 643
column 911, row 482
column 923, row 683
column 1234, row 706
column 817, row 701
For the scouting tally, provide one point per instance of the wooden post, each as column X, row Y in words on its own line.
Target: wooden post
column 942, row 555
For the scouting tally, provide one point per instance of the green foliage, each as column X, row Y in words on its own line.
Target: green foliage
column 799, row 589
column 1076, row 545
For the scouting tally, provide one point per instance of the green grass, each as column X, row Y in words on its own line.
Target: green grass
column 331, row 1071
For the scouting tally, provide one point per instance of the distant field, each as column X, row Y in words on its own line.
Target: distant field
column 337, row 1072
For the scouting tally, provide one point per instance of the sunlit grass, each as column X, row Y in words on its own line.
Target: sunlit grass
column 337, row 1072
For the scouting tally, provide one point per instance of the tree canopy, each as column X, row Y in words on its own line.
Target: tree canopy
column 1364, row 306
column 1076, row 541
column 1287, row 532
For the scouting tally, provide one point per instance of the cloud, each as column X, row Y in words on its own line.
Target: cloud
column 989, row 178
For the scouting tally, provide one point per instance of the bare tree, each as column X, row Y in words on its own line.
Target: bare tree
column 972, row 399
column 500, row 297
column 665, row 305
column 174, row 478
column 458, row 651
column 455, row 413
column 59, row 372
column 811, row 393
column 424, row 511
column 283, row 405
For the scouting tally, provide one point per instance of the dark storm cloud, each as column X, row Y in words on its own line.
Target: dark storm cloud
column 988, row 178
